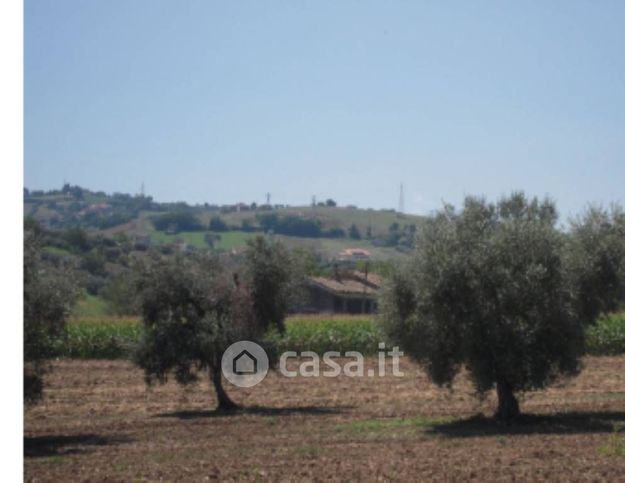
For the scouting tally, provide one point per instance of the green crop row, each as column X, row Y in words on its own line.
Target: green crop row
column 101, row 338
column 319, row 334
column 115, row 338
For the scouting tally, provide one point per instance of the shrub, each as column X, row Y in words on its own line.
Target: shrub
column 275, row 279
column 217, row 224
column 607, row 337
column 177, row 222
column 49, row 294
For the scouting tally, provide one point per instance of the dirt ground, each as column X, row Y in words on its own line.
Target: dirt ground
column 100, row 423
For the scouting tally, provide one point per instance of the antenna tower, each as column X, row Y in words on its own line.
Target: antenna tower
column 401, row 197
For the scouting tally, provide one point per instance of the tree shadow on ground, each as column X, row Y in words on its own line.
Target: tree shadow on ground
column 557, row 423
column 257, row 410
column 44, row 446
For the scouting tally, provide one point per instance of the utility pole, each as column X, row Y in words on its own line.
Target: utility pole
column 401, row 197
column 268, row 195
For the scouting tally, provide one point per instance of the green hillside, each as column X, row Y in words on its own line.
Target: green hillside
column 326, row 230
column 333, row 217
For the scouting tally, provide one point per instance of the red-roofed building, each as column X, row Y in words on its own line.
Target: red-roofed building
column 348, row 292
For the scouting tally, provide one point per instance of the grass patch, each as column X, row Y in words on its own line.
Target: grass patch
column 227, row 239
column 194, row 238
column 616, row 444
column 607, row 337
column 376, row 425
column 233, row 239
column 90, row 306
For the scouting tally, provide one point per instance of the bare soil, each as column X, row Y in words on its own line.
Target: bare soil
column 99, row 422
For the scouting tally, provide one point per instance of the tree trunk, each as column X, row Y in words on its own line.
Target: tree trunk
column 224, row 403
column 508, row 406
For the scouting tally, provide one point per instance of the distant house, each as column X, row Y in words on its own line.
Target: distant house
column 350, row 292
column 355, row 254
column 99, row 208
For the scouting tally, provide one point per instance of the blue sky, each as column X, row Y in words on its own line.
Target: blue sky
column 225, row 101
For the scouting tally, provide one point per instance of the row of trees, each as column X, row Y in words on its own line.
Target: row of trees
column 49, row 293
column 496, row 288
column 193, row 307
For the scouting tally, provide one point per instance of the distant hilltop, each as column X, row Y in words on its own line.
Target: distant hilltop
column 345, row 231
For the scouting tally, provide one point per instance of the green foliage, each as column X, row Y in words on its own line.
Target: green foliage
column 118, row 337
column 275, row 278
column 488, row 289
column 93, row 262
column 89, row 334
column 398, row 236
column 89, row 305
column 176, row 222
column 49, row 294
column 192, row 310
column 247, row 225
column 334, row 232
column 101, row 338
column 217, row 224
column 76, row 240
column 120, row 295
column 322, row 334
column 211, row 239
column 616, row 444
column 290, row 225
column 596, row 258
column 607, row 336
column 354, row 232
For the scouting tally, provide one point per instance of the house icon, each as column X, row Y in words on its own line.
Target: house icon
column 244, row 363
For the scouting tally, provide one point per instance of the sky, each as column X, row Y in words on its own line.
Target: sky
column 221, row 102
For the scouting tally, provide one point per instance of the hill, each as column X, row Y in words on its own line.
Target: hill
column 326, row 230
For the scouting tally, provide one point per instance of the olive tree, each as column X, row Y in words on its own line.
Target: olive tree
column 194, row 306
column 192, row 311
column 489, row 289
column 596, row 260
column 49, row 294
column 275, row 277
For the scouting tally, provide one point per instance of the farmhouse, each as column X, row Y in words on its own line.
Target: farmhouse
column 349, row 292
column 355, row 254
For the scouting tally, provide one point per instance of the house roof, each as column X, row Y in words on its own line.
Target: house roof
column 350, row 252
column 352, row 283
